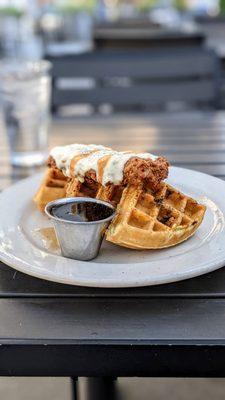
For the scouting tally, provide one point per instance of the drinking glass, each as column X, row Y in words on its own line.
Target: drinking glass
column 25, row 96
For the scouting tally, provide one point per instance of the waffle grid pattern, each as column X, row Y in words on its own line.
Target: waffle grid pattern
column 144, row 219
column 53, row 187
column 161, row 211
column 92, row 189
column 164, row 210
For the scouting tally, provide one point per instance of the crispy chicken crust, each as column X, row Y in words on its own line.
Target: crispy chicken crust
column 136, row 170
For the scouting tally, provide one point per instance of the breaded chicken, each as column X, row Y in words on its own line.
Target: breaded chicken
column 136, row 170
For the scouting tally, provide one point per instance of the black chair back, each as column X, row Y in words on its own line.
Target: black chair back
column 137, row 78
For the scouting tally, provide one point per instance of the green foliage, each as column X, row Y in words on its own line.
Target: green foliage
column 222, row 6
column 72, row 7
column 180, row 4
column 145, row 5
column 11, row 11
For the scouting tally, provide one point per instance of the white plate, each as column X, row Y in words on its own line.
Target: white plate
column 23, row 243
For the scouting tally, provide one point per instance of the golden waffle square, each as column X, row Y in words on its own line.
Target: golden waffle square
column 145, row 219
column 53, row 187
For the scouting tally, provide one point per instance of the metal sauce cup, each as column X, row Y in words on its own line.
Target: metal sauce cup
column 81, row 230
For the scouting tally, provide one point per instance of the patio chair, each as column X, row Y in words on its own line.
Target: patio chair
column 137, row 79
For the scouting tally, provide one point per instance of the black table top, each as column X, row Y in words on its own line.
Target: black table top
column 168, row 330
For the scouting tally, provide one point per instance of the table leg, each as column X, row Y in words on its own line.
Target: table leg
column 74, row 388
column 95, row 389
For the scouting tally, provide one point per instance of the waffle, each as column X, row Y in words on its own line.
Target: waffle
column 53, row 187
column 145, row 219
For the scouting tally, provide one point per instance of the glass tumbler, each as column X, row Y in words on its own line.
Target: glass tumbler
column 25, row 89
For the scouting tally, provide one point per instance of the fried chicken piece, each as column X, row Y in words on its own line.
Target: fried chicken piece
column 136, row 170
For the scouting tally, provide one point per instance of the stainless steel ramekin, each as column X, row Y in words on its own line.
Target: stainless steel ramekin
column 79, row 240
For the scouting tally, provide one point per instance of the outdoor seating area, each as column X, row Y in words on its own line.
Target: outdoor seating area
column 142, row 80
column 112, row 187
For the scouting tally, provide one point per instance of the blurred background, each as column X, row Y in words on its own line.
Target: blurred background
column 114, row 55
column 34, row 27
column 110, row 57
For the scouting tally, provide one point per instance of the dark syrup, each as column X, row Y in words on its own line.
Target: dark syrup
column 81, row 212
